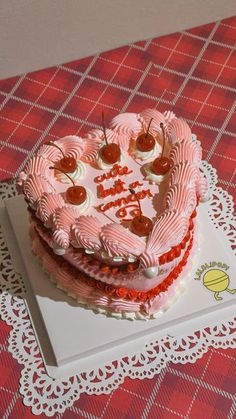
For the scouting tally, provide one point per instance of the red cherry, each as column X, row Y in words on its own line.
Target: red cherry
column 141, row 225
column 76, row 195
column 161, row 165
column 67, row 164
column 110, row 153
column 145, row 142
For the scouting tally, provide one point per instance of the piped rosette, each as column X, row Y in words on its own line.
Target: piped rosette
column 190, row 153
column 127, row 124
column 34, row 186
column 93, row 142
column 62, row 221
column 85, row 234
column 177, row 130
column 157, row 118
column 168, row 115
column 117, row 138
column 70, row 146
column 37, row 165
column 186, row 151
column 168, row 231
column 50, row 153
column 182, row 199
column 80, row 149
column 186, row 156
column 120, row 243
column 186, row 174
column 47, row 204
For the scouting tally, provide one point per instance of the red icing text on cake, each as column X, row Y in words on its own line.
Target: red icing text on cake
column 117, row 170
column 117, row 188
column 146, row 193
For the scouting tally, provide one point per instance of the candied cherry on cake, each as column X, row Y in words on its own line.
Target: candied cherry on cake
column 161, row 165
column 140, row 225
column 110, row 152
column 75, row 194
column 145, row 141
column 68, row 163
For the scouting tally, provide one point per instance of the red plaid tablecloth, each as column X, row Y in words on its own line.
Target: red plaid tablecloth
column 191, row 73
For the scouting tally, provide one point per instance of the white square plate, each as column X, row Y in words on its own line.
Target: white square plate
column 73, row 338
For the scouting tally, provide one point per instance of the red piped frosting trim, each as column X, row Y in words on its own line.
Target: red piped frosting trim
column 133, row 295
column 122, row 292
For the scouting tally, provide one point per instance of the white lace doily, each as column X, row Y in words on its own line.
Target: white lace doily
column 49, row 396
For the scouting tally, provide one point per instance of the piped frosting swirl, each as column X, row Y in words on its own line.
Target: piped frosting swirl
column 118, row 241
column 85, row 233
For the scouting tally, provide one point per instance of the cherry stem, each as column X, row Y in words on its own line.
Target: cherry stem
column 64, row 173
column 134, row 193
column 104, row 127
column 54, row 145
column 148, row 127
column 164, row 139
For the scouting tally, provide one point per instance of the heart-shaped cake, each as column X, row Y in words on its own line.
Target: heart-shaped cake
column 113, row 215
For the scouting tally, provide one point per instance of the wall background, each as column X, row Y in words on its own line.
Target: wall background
column 37, row 34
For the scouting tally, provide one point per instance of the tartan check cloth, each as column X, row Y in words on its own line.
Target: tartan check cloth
column 190, row 72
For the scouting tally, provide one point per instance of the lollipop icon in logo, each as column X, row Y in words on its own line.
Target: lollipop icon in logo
column 217, row 281
column 214, row 279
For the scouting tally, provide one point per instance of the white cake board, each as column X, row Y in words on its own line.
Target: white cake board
column 73, row 339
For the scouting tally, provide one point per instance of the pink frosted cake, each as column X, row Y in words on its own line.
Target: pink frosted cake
column 113, row 215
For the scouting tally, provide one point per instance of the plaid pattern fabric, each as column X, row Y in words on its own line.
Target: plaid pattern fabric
column 191, row 73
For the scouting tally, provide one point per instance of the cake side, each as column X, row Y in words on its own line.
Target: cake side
column 130, row 275
column 106, row 299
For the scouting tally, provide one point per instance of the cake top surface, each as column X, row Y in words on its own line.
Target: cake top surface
column 94, row 203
